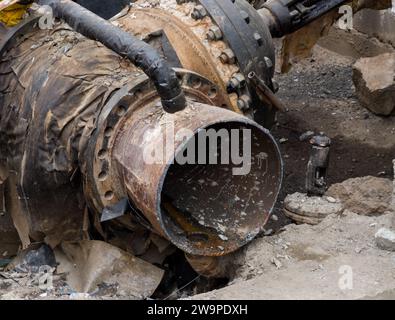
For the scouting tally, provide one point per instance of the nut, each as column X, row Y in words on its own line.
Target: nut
column 244, row 102
column 275, row 85
column 199, row 12
column 228, row 56
column 268, row 62
column 237, row 81
column 258, row 38
column 214, row 34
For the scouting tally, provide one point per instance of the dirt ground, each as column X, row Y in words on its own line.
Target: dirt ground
column 312, row 262
column 320, row 97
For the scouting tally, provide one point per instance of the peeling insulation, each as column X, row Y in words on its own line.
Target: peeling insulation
column 42, row 140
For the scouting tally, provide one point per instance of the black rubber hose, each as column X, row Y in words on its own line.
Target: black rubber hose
column 138, row 52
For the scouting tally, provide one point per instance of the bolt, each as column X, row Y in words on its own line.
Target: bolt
column 245, row 16
column 199, row 12
column 244, row 102
column 268, row 62
column 214, row 34
column 237, row 81
column 227, row 56
column 258, row 38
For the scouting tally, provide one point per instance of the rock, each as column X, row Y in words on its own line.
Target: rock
column 33, row 258
column 90, row 263
column 366, row 196
column 313, row 259
column 385, row 239
column 274, row 217
column 311, row 210
column 374, row 80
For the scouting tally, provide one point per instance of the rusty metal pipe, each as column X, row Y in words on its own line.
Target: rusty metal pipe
column 75, row 141
column 204, row 209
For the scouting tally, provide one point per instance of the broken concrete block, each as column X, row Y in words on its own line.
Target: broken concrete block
column 92, row 264
column 311, row 210
column 367, row 196
column 385, row 239
column 33, row 258
column 374, row 80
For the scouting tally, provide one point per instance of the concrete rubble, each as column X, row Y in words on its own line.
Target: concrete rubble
column 374, row 80
column 82, row 270
column 365, row 195
column 385, row 239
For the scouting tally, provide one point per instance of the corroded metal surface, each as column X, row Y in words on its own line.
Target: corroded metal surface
column 52, row 91
column 202, row 209
column 224, row 45
column 188, row 39
column 76, row 120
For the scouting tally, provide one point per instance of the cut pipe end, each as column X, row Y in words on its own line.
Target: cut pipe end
column 214, row 209
column 207, row 199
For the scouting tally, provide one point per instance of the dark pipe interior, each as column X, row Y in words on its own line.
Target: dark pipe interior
column 206, row 207
column 104, row 8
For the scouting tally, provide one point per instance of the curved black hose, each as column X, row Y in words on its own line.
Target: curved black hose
column 137, row 51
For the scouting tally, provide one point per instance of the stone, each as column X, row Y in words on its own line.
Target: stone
column 385, row 239
column 33, row 258
column 374, row 80
column 311, row 210
column 366, row 196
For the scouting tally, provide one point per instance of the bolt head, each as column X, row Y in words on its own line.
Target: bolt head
column 214, row 34
column 243, row 103
column 240, row 78
column 258, row 38
column 199, row 12
column 268, row 62
column 228, row 56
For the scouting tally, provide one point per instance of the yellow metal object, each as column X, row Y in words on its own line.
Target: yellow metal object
column 13, row 14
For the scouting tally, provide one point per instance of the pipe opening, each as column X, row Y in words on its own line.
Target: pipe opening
column 220, row 191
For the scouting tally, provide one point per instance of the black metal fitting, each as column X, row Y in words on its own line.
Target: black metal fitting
column 126, row 45
column 287, row 16
column 317, row 168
